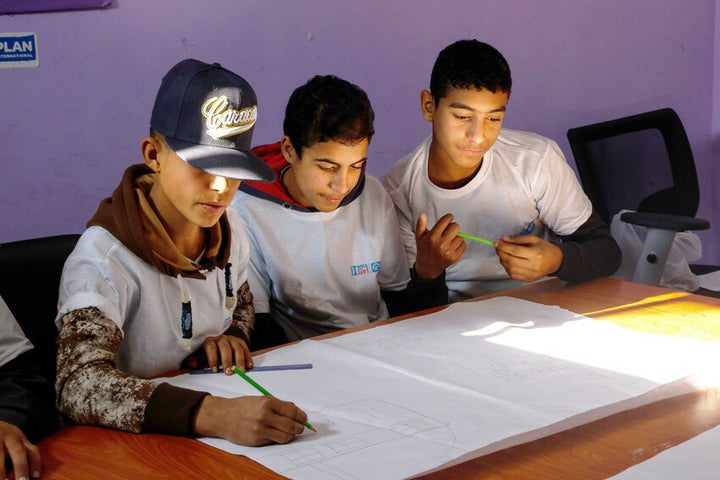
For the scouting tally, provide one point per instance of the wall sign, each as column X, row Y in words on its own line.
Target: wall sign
column 18, row 50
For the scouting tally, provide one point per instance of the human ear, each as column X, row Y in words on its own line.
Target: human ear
column 150, row 149
column 427, row 105
column 288, row 151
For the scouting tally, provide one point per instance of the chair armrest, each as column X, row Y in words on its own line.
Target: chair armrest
column 663, row 221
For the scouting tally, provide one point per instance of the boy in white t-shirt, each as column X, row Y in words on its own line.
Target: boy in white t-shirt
column 160, row 275
column 513, row 188
column 326, row 252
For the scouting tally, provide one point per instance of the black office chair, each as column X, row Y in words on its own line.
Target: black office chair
column 30, row 273
column 643, row 163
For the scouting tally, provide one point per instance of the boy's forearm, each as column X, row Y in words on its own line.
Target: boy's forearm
column 420, row 294
column 595, row 258
column 172, row 410
column 590, row 252
column 210, row 418
column 89, row 388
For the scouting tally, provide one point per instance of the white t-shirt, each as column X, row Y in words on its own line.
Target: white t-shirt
column 146, row 305
column 13, row 341
column 317, row 272
column 524, row 178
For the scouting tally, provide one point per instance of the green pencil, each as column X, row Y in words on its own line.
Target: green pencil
column 260, row 389
column 477, row 239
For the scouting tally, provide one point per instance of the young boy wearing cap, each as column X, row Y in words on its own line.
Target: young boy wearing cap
column 161, row 272
column 497, row 184
column 326, row 253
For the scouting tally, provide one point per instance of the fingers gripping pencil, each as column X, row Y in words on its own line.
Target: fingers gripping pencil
column 262, row 390
column 527, row 231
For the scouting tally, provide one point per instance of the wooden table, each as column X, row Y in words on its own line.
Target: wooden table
column 593, row 451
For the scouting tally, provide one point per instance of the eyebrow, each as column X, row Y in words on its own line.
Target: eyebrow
column 467, row 107
column 327, row 160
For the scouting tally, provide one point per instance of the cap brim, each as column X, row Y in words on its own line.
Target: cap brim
column 224, row 162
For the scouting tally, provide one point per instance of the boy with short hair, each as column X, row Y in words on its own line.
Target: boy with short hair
column 325, row 247
column 161, row 273
column 497, row 184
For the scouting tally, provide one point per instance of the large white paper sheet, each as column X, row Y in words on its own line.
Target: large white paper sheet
column 403, row 399
column 696, row 459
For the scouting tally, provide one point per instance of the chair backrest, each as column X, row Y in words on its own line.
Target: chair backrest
column 30, row 273
column 642, row 162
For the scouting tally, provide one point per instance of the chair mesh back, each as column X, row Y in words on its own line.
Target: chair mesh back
column 642, row 162
column 629, row 168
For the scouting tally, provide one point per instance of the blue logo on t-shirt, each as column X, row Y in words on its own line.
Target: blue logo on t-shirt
column 364, row 268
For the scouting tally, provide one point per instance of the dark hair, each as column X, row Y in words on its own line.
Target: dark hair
column 469, row 64
column 328, row 108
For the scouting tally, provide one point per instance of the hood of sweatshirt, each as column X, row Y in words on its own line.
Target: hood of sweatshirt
column 128, row 215
column 275, row 191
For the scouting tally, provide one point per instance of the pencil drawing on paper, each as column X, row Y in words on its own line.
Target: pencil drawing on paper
column 385, row 423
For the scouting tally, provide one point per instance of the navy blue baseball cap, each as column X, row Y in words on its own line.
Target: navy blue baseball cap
column 207, row 115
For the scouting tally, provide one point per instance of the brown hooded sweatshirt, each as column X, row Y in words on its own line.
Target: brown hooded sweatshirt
column 90, row 388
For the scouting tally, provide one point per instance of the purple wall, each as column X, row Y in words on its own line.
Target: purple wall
column 69, row 127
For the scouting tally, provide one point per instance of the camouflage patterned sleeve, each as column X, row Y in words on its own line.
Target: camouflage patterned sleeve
column 89, row 388
column 243, row 315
